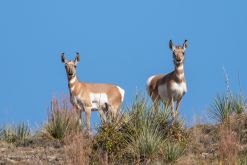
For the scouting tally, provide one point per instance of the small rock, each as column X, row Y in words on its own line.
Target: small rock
column 205, row 155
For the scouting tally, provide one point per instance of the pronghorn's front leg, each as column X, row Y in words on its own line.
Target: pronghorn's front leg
column 171, row 103
column 78, row 110
column 88, row 115
column 177, row 107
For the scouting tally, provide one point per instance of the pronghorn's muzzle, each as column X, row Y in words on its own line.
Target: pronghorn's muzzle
column 70, row 72
column 178, row 61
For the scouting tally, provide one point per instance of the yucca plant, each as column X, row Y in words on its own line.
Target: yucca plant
column 221, row 109
column 173, row 151
column 141, row 113
column 148, row 130
column 238, row 103
column 145, row 146
column 62, row 120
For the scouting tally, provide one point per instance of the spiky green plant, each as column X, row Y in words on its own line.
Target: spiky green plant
column 62, row 120
column 17, row 134
column 238, row 103
column 173, row 151
column 145, row 146
column 221, row 109
column 149, row 128
column 137, row 135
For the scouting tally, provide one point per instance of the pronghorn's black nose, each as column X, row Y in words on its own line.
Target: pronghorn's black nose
column 70, row 72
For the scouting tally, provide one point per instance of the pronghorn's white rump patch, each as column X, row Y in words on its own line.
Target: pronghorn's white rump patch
column 72, row 80
column 149, row 80
column 121, row 92
column 98, row 99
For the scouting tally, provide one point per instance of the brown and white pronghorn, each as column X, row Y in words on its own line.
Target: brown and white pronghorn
column 91, row 97
column 172, row 86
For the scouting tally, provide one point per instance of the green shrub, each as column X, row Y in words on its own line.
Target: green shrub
column 145, row 146
column 16, row 134
column 221, row 109
column 173, row 151
column 109, row 139
column 61, row 120
column 238, row 103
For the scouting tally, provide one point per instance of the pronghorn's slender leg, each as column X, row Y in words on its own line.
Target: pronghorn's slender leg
column 156, row 104
column 79, row 114
column 177, row 107
column 102, row 115
column 80, row 117
column 114, row 112
column 171, row 103
column 166, row 107
column 88, row 115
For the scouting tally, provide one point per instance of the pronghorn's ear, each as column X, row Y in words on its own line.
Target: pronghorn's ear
column 77, row 58
column 171, row 46
column 63, row 58
column 185, row 45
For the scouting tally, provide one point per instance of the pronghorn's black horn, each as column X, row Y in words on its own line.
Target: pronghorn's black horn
column 63, row 57
column 77, row 57
column 170, row 44
column 185, row 44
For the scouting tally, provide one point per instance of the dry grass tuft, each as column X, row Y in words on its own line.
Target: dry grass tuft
column 228, row 145
column 77, row 149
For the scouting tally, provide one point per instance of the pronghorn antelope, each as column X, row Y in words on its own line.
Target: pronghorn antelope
column 91, row 97
column 172, row 86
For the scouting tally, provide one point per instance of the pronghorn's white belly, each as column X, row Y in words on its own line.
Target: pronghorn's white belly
column 178, row 89
column 95, row 102
column 98, row 100
column 163, row 92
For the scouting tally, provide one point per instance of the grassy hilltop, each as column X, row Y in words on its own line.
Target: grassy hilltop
column 140, row 135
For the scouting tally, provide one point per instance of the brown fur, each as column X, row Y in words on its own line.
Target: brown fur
column 80, row 93
column 172, row 86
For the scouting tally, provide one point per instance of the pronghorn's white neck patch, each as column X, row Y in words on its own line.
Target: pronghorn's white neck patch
column 72, row 81
column 72, row 88
column 98, row 99
column 180, row 76
column 180, row 67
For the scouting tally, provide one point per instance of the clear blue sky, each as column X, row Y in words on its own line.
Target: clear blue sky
column 120, row 42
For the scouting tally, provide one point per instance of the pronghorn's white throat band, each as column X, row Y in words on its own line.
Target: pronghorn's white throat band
column 72, row 81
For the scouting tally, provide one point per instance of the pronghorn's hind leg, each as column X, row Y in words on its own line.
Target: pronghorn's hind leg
column 113, row 110
column 102, row 114
column 156, row 100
